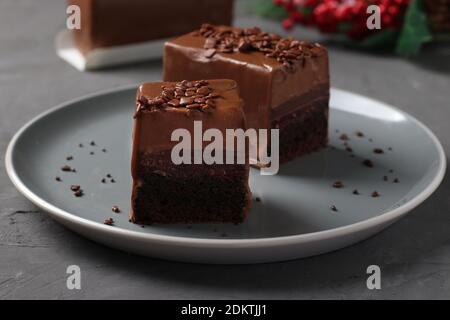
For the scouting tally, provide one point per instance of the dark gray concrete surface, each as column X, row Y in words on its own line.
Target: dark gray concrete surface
column 414, row 254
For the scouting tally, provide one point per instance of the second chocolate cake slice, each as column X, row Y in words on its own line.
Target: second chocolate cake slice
column 112, row 23
column 167, row 191
column 284, row 82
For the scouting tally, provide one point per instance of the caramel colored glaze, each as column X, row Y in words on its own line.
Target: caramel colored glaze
column 153, row 129
column 107, row 23
column 264, row 83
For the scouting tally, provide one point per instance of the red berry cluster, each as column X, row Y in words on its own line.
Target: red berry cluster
column 344, row 16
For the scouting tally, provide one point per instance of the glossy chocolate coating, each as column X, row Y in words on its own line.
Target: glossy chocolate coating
column 153, row 129
column 107, row 23
column 264, row 83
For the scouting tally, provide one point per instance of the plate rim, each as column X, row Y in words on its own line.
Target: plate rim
column 65, row 217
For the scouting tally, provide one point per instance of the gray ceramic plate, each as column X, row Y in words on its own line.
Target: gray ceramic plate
column 293, row 218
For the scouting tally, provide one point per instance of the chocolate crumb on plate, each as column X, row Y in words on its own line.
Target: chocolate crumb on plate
column 396, row 180
column 68, row 158
column 338, row 184
column 58, row 179
column 80, row 145
column 355, row 192
column 109, row 221
column 78, row 193
column 92, row 143
column 104, row 150
column 344, row 137
column 390, row 148
column 113, row 181
column 75, row 187
column 258, row 199
column 66, row 168
column 378, row 151
column 333, row 208
column 348, row 149
column 103, row 180
column 375, row 194
column 359, row 134
column 385, row 178
column 91, row 153
column 108, row 175
column 368, row 163
column 115, row 209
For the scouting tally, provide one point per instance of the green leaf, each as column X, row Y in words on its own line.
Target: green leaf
column 385, row 38
column 344, row 27
column 381, row 40
column 267, row 9
column 306, row 10
column 415, row 31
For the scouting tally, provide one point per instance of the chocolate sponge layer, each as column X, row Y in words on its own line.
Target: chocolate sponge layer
column 168, row 193
column 303, row 131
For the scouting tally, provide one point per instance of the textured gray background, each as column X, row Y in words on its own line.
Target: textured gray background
column 414, row 254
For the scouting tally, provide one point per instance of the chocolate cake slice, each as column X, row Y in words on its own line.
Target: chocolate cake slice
column 284, row 82
column 109, row 23
column 168, row 191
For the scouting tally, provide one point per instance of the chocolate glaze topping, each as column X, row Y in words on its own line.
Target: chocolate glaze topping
column 268, row 87
column 286, row 51
column 154, row 126
column 185, row 94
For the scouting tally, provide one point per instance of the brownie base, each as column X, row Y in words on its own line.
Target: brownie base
column 168, row 194
column 304, row 130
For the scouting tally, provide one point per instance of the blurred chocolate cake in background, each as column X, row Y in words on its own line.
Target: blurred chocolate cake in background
column 109, row 23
